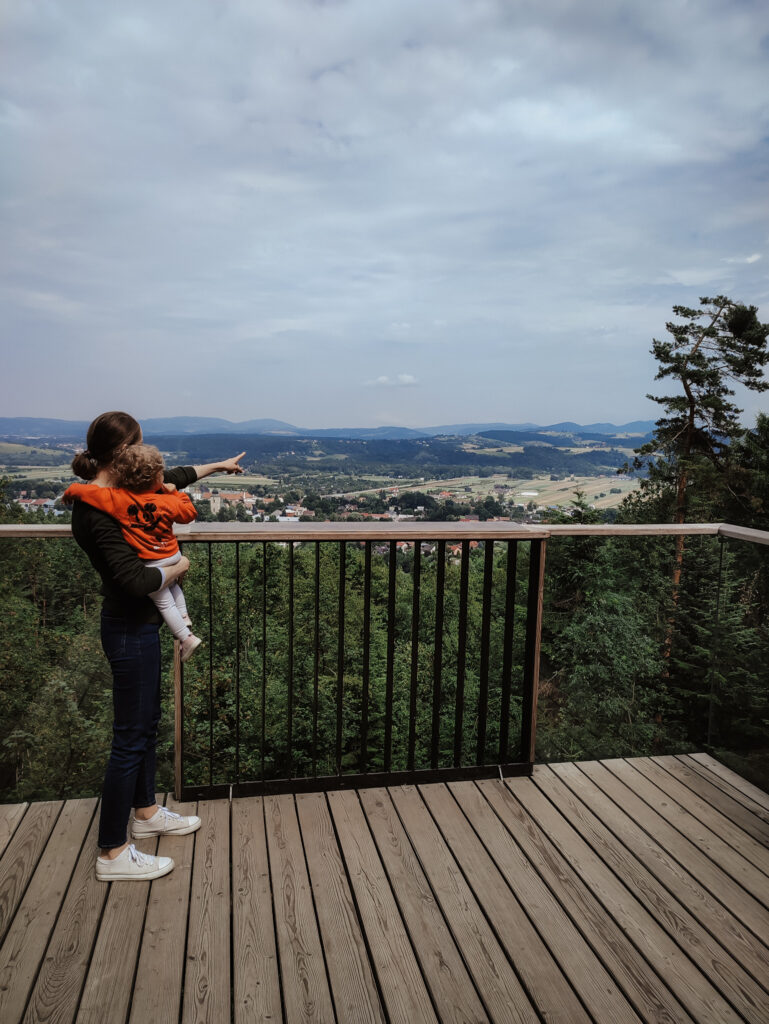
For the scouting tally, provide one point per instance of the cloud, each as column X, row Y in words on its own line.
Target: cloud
column 482, row 182
column 402, row 380
column 753, row 258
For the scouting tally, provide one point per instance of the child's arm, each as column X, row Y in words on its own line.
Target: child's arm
column 180, row 505
column 227, row 466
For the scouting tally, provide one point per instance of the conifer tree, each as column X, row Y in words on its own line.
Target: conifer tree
column 709, row 350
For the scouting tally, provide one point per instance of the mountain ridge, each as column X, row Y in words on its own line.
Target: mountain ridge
column 31, row 426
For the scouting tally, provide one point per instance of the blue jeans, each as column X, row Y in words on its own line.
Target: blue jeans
column 133, row 651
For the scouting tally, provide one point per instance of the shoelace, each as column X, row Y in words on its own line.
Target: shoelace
column 142, row 859
column 169, row 814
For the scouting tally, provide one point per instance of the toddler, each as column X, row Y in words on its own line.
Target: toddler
column 146, row 508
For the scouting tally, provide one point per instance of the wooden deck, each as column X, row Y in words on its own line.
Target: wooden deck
column 611, row 891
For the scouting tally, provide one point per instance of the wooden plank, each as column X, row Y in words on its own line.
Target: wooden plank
column 743, row 533
column 709, row 769
column 734, row 983
column 107, row 991
column 403, row 989
column 207, row 963
column 732, row 779
column 350, row 974
column 588, row 976
column 625, row 825
column 335, row 532
column 158, row 985
column 503, row 995
column 305, row 985
column 655, row 786
column 451, row 986
column 21, row 856
column 699, row 997
column 10, row 816
column 255, row 960
column 26, row 940
column 653, row 1001
column 749, row 911
column 56, row 994
column 754, row 822
column 536, row 967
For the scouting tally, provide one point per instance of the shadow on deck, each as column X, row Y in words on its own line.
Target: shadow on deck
column 605, row 891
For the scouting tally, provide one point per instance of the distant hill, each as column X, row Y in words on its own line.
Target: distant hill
column 38, row 427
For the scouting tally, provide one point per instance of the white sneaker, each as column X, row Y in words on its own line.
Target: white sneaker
column 164, row 823
column 189, row 645
column 132, row 866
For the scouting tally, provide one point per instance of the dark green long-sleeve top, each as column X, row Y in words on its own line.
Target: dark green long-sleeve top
column 126, row 580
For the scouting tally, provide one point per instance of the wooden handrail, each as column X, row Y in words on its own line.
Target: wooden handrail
column 417, row 530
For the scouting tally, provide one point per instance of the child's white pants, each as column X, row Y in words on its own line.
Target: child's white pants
column 169, row 600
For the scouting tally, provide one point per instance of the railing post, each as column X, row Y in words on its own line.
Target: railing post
column 531, row 654
column 178, row 721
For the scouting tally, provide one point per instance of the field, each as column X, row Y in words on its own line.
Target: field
column 541, row 490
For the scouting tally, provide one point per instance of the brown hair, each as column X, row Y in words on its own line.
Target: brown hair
column 106, row 436
column 137, row 467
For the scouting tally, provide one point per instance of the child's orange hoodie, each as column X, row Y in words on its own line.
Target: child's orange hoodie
column 145, row 518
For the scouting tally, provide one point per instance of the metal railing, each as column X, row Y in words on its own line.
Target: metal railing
column 437, row 679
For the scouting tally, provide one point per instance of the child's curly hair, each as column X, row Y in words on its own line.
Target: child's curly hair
column 137, row 466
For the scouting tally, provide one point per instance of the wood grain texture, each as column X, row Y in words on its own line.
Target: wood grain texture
column 652, row 783
column 255, row 961
column 21, row 856
column 207, row 963
column 10, row 816
column 720, row 811
column 699, row 997
column 712, row 960
column 625, row 825
column 750, row 913
column 27, row 938
column 537, row 968
column 108, row 985
column 305, row 984
column 740, row 789
column 734, row 781
column 652, row 1000
column 452, row 988
column 598, row 990
column 159, row 975
column 504, row 997
column 56, row 995
column 403, row 988
column 350, row 973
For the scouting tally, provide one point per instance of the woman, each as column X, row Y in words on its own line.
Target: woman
column 129, row 631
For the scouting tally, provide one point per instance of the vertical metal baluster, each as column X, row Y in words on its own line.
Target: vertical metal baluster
column 290, row 725
column 716, row 653
column 483, row 672
column 459, row 712
column 179, row 729
column 531, row 653
column 237, row 661
column 388, row 739
column 316, row 664
column 414, row 653
column 366, row 657
column 210, row 670
column 507, row 653
column 264, row 650
column 340, row 659
column 438, row 655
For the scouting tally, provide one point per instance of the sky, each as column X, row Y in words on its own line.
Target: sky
column 346, row 213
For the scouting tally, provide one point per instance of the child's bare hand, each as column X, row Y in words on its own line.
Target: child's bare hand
column 170, row 488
